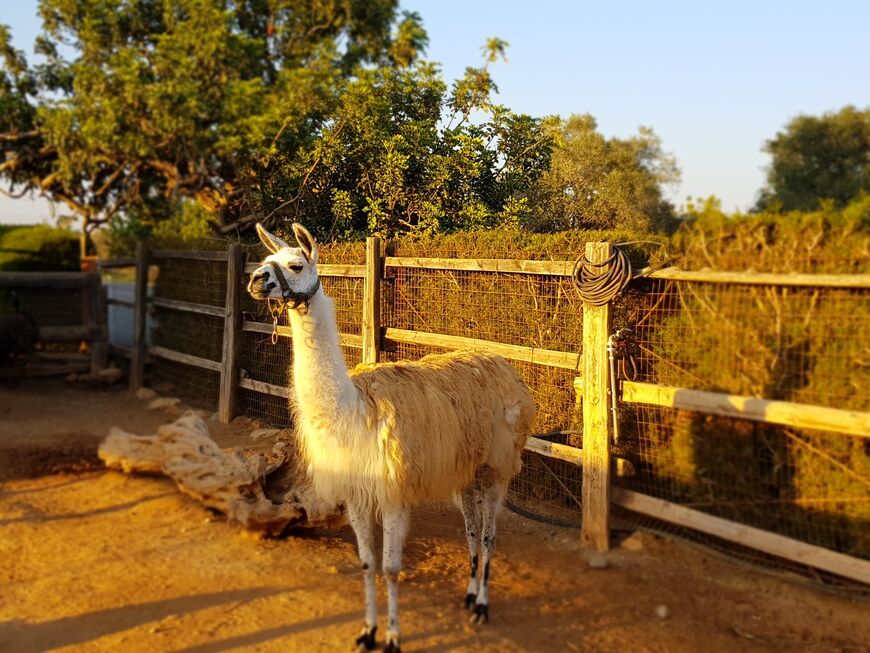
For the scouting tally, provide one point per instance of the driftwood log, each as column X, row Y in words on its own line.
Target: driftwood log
column 268, row 495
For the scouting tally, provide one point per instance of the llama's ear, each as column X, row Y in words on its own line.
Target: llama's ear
column 306, row 242
column 271, row 241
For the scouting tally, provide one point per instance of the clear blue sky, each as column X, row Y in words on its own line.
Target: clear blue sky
column 714, row 79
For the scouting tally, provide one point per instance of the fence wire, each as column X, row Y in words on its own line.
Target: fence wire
column 805, row 345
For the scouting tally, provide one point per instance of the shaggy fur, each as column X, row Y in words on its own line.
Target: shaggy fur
column 421, row 431
column 385, row 437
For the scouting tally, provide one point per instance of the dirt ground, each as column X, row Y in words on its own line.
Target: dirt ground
column 92, row 560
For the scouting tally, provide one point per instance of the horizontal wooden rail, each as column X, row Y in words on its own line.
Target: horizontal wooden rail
column 190, row 307
column 565, row 269
column 553, row 268
column 48, row 280
column 263, row 387
column 554, row 450
column 74, row 333
column 546, row 357
column 106, row 263
column 195, row 255
column 187, row 359
column 765, row 278
column 778, row 545
column 787, row 413
column 345, row 339
column 111, row 301
column 325, row 269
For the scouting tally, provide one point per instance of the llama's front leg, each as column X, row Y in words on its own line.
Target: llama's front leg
column 492, row 500
column 362, row 523
column 395, row 529
column 469, row 503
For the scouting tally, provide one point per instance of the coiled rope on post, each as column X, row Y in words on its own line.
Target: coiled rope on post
column 600, row 283
column 599, row 287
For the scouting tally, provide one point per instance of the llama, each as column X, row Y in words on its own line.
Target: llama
column 385, row 437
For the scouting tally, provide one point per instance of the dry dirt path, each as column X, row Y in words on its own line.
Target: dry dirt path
column 96, row 561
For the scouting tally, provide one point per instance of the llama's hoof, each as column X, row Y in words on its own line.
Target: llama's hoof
column 470, row 600
column 480, row 614
column 366, row 639
column 392, row 646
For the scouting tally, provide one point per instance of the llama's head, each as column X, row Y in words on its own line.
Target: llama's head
column 288, row 273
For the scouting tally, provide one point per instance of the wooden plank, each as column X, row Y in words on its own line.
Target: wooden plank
column 232, row 330
column 111, row 301
column 595, row 530
column 371, row 313
column 546, row 357
column 74, row 333
column 190, row 307
column 765, row 278
column 195, row 255
column 263, row 387
column 554, row 450
column 99, row 295
column 49, row 280
column 805, row 416
column 552, row 268
column 326, row 269
column 38, row 371
column 106, row 263
column 344, row 339
column 778, row 545
column 187, row 359
column 140, row 312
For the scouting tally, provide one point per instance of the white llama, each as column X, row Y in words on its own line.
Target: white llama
column 382, row 438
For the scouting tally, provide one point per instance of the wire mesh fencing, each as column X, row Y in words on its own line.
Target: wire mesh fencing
column 806, row 345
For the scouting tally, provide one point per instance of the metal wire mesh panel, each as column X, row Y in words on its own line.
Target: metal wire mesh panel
column 195, row 334
column 528, row 310
column 45, row 306
column 803, row 345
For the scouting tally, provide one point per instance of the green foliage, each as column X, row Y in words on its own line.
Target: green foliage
column 827, row 240
column 598, row 183
column 318, row 111
column 818, row 158
column 43, row 248
column 183, row 97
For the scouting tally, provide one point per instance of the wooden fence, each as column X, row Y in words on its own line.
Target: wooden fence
column 592, row 382
column 78, row 293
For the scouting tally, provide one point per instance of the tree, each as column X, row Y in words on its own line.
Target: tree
column 181, row 98
column 388, row 162
column 272, row 111
column 594, row 182
column 818, row 158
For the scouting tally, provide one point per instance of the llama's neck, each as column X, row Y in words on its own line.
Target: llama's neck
column 324, row 392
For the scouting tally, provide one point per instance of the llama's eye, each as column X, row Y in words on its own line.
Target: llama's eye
column 296, row 268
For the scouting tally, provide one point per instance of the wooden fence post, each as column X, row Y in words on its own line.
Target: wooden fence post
column 140, row 316
column 595, row 533
column 371, row 322
column 96, row 295
column 232, row 329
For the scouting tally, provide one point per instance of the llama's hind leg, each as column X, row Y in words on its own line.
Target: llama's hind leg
column 493, row 496
column 470, row 503
column 362, row 523
column 396, row 521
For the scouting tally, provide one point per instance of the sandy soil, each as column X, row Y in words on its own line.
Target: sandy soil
column 96, row 561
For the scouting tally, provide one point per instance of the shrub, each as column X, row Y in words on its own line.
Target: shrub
column 44, row 248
